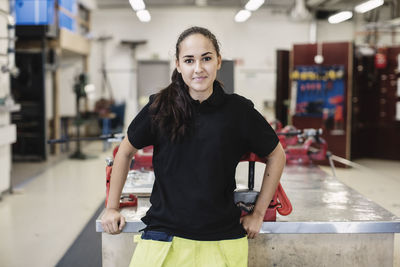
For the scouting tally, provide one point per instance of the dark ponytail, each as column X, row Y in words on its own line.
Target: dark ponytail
column 172, row 109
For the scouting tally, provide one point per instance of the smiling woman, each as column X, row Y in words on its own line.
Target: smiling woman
column 198, row 64
column 197, row 59
column 199, row 134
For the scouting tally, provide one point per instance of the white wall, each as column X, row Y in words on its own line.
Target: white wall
column 327, row 32
column 254, row 43
column 70, row 68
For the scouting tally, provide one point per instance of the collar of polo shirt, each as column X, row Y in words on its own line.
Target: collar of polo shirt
column 216, row 99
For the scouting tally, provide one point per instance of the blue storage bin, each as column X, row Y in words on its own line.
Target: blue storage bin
column 69, row 5
column 66, row 22
column 34, row 12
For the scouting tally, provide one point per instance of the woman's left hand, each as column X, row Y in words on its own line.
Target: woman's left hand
column 252, row 224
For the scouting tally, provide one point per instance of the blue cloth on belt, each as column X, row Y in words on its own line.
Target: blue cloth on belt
column 157, row 236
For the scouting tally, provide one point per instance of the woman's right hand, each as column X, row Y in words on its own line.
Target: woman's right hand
column 112, row 221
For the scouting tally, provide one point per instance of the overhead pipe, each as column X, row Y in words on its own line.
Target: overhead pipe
column 313, row 31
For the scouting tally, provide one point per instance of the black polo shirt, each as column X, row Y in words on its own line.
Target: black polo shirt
column 193, row 190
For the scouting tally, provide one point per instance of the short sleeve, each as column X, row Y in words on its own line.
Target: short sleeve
column 140, row 131
column 259, row 137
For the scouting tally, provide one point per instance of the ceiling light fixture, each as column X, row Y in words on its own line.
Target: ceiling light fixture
column 137, row 5
column 253, row 5
column 340, row 17
column 369, row 5
column 242, row 15
column 143, row 15
column 300, row 11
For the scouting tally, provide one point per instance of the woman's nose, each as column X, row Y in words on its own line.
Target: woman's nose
column 198, row 67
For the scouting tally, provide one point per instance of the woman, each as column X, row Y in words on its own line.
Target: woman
column 199, row 134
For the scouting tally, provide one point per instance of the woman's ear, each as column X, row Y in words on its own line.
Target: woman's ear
column 219, row 62
column 178, row 68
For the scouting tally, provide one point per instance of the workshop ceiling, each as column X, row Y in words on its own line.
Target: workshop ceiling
column 278, row 5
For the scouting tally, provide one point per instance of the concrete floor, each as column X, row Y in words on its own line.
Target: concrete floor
column 45, row 214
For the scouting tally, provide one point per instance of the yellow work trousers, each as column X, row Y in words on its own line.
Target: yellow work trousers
column 181, row 252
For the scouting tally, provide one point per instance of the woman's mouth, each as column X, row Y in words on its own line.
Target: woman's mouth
column 199, row 79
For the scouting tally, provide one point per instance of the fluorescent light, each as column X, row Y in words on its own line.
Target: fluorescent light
column 242, row 15
column 367, row 6
column 137, row 4
column 143, row 15
column 340, row 17
column 253, row 5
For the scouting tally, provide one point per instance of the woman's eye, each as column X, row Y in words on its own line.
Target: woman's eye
column 207, row 58
column 188, row 61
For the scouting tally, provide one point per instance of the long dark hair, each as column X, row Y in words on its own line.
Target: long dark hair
column 172, row 109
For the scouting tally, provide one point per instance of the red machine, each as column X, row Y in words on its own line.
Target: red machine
column 288, row 136
column 311, row 146
column 246, row 199
column 302, row 146
column 141, row 160
column 144, row 160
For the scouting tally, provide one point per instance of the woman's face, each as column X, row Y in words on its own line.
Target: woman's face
column 198, row 63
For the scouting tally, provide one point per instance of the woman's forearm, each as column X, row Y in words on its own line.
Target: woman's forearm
column 119, row 173
column 273, row 171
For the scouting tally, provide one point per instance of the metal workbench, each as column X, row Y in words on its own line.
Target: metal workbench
column 330, row 225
